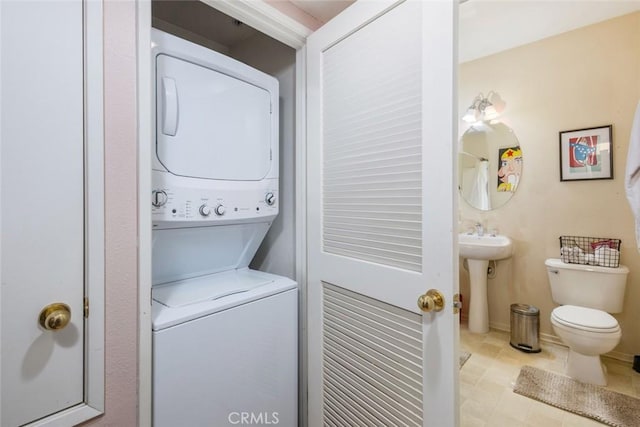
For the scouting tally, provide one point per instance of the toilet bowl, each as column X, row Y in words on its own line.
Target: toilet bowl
column 583, row 323
column 588, row 333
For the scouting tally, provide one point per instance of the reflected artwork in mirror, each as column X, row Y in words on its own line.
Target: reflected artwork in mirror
column 490, row 165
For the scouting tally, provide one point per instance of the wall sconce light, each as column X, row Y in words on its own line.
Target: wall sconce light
column 484, row 108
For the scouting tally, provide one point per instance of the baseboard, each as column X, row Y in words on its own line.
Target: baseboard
column 553, row 339
column 617, row 355
column 502, row 327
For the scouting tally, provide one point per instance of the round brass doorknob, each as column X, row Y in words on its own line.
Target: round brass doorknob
column 433, row 300
column 55, row 316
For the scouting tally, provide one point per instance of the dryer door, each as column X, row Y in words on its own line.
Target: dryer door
column 211, row 125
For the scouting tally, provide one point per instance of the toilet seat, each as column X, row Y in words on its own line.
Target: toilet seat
column 585, row 319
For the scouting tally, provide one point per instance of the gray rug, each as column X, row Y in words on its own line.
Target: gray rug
column 464, row 356
column 588, row 400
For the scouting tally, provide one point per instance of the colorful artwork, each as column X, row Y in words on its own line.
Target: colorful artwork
column 586, row 154
column 583, row 152
column 510, row 168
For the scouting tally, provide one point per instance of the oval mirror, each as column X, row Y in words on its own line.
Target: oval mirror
column 489, row 166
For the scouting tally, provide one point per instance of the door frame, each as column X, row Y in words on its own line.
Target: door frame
column 94, row 137
column 281, row 27
column 94, row 347
column 144, row 111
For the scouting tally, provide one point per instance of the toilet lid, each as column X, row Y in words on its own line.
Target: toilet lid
column 584, row 318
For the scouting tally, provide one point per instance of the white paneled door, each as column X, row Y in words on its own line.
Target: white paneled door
column 42, row 210
column 381, row 216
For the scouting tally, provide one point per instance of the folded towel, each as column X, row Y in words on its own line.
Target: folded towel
column 607, row 257
column 632, row 175
column 573, row 255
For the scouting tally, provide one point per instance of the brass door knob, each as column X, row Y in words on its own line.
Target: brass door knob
column 433, row 300
column 55, row 316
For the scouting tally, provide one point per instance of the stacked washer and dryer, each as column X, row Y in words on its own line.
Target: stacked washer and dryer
column 225, row 349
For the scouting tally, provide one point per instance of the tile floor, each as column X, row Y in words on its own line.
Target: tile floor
column 486, row 384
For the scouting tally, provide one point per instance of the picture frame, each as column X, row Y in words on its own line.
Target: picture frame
column 586, row 154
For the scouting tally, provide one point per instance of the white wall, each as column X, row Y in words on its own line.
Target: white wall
column 277, row 252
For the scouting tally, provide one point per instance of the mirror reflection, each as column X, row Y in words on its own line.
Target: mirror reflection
column 490, row 165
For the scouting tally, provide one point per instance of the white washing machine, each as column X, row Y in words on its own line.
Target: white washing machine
column 225, row 338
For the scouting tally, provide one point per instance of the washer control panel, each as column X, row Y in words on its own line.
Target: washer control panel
column 159, row 198
column 270, row 198
column 205, row 210
column 188, row 204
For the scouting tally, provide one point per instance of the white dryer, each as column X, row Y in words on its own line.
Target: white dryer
column 225, row 338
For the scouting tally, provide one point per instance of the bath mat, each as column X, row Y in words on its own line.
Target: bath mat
column 464, row 356
column 588, row 400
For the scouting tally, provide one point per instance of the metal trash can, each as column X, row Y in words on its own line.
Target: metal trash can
column 525, row 328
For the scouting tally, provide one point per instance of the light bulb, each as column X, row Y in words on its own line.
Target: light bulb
column 490, row 113
column 471, row 116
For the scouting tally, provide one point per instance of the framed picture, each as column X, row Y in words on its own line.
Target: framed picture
column 586, row 154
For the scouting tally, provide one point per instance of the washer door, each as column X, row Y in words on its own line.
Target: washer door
column 211, row 125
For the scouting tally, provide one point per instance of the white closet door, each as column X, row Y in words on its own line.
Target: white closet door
column 44, row 232
column 381, row 216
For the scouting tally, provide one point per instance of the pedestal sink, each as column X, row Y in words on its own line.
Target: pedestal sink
column 479, row 250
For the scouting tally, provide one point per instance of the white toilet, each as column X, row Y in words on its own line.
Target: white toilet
column 588, row 294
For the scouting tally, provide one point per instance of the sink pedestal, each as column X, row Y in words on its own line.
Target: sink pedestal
column 478, row 250
column 478, row 306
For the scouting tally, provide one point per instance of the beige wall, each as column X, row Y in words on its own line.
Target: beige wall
column 584, row 78
column 121, row 291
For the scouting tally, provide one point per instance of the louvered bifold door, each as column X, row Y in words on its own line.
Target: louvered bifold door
column 379, row 215
column 372, row 362
column 372, row 148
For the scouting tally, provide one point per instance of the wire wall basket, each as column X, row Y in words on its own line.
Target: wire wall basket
column 601, row 251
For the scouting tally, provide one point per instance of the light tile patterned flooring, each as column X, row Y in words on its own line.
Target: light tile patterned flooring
column 486, row 383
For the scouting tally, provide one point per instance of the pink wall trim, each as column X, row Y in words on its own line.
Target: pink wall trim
column 121, row 266
column 294, row 12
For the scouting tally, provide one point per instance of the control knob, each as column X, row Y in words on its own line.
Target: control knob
column 270, row 199
column 159, row 198
column 220, row 210
column 205, row 210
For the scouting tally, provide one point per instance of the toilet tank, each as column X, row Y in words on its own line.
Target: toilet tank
column 590, row 286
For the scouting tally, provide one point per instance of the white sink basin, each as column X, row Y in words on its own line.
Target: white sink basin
column 485, row 247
